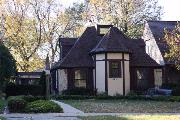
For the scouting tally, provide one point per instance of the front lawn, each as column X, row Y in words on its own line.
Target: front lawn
column 132, row 117
column 124, row 106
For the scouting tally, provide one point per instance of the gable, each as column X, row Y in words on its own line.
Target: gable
column 157, row 28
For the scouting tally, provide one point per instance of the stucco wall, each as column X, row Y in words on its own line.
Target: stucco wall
column 62, row 76
column 114, row 56
column 115, row 85
column 158, row 77
column 152, row 48
column 100, row 73
column 127, row 77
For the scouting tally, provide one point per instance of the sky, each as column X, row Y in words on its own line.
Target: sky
column 171, row 8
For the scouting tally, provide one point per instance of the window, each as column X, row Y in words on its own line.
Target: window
column 80, row 78
column 103, row 31
column 115, row 69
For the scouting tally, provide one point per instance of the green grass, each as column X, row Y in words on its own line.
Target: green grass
column 2, row 105
column 124, row 106
column 133, row 117
column 2, row 118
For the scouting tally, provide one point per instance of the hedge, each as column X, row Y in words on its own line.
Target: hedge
column 79, row 91
column 43, row 106
column 105, row 97
column 16, row 104
column 31, row 104
column 14, row 90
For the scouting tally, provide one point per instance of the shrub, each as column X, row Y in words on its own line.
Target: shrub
column 169, row 85
column 16, row 104
column 132, row 93
column 72, row 97
column 14, row 90
column 176, row 91
column 42, row 106
column 175, row 88
column 78, row 91
column 30, row 98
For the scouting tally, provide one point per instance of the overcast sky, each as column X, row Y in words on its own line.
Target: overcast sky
column 171, row 8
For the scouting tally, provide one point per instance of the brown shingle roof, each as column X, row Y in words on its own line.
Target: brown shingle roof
column 113, row 41
column 65, row 45
column 139, row 58
column 79, row 56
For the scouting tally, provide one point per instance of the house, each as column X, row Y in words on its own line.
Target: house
column 156, row 47
column 106, row 60
column 27, row 78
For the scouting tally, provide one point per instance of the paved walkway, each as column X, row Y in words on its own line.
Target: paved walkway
column 67, row 108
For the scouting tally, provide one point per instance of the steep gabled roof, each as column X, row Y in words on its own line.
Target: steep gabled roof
column 65, row 45
column 113, row 41
column 79, row 56
column 67, row 41
column 157, row 28
column 139, row 58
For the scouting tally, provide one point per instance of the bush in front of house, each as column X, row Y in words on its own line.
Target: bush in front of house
column 16, row 104
column 31, row 104
column 43, row 106
column 30, row 98
column 72, row 97
column 14, row 90
column 119, row 97
column 174, row 87
column 78, row 91
column 176, row 91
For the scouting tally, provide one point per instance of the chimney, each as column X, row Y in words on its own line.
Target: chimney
column 103, row 29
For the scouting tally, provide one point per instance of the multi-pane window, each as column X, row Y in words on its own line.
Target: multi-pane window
column 80, row 78
column 115, row 69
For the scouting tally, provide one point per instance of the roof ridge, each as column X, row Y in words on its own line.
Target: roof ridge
column 112, row 41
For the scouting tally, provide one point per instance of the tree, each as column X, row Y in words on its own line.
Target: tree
column 7, row 66
column 33, row 27
column 128, row 15
column 172, row 38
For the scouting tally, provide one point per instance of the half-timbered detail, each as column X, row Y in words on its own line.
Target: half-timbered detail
column 105, row 60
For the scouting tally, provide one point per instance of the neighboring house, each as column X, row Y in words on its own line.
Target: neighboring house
column 106, row 60
column 27, row 78
column 156, row 48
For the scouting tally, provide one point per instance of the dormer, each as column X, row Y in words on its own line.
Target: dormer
column 103, row 29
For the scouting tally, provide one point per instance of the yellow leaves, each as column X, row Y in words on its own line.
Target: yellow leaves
column 172, row 37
